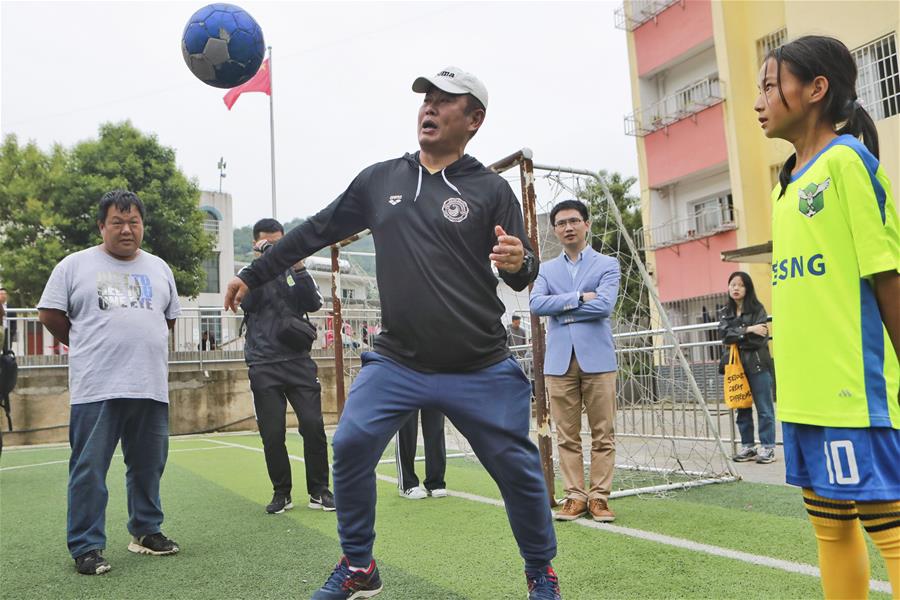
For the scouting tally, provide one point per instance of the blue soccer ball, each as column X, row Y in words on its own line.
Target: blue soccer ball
column 222, row 45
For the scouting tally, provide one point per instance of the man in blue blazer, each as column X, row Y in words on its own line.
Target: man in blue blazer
column 577, row 292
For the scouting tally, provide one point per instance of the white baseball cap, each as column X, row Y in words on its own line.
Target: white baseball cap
column 453, row 80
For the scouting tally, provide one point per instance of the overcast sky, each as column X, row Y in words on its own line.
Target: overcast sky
column 557, row 74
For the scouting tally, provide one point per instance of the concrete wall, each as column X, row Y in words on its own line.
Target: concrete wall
column 693, row 268
column 672, row 33
column 218, row 398
column 686, row 147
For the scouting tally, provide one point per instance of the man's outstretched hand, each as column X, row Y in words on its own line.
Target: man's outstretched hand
column 509, row 253
column 234, row 293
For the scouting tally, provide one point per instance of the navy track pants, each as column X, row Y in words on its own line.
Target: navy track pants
column 490, row 407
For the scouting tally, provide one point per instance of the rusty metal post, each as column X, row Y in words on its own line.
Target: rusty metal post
column 337, row 328
column 523, row 158
column 538, row 343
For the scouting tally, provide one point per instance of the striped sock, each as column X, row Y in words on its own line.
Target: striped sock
column 881, row 520
column 843, row 557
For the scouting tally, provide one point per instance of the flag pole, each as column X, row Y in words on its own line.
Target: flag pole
column 272, row 128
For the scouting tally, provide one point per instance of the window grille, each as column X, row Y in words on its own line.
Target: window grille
column 712, row 215
column 210, row 266
column 767, row 43
column 878, row 81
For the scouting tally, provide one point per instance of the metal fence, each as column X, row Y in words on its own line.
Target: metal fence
column 685, row 102
column 201, row 335
column 639, row 393
column 640, row 12
column 702, row 223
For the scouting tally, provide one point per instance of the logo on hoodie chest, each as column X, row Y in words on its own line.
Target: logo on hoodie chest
column 455, row 209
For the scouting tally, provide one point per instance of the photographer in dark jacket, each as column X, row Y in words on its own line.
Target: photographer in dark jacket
column 281, row 369
column 743, row 323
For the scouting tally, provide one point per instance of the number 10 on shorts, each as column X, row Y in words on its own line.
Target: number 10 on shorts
column 838, row 454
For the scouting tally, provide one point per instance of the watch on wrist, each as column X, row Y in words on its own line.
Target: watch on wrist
column 527, row 263
column 581, row 298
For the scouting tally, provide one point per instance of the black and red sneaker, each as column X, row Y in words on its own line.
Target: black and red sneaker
column 543, row 584
column 347, row 584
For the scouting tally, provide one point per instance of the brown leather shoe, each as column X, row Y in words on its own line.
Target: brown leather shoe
column 600, row 510
column 571, row 510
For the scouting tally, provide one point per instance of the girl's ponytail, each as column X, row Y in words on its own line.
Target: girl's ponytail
column 860, row 124
column 784, row 176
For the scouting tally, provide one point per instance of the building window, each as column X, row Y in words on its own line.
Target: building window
column 878, row 81
column 211, row 323
column 766, row 44
column 347, row 294
column 712, row 215
column 210, row 266
column 211, row 222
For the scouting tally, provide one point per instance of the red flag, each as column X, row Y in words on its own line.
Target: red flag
column 261, row 82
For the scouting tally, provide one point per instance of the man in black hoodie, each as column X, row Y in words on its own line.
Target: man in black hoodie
column 439, row 218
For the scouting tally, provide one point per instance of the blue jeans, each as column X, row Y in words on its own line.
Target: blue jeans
column 761, row 388
column 490, row 407
column 95, row 429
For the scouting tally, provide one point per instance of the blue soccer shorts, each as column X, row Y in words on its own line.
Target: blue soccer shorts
column 841, row 463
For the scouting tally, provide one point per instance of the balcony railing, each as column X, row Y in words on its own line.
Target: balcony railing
column 685, row 102
column 641, row 12
column 699, row 225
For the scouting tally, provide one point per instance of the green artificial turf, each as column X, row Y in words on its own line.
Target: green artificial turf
column 448, row 548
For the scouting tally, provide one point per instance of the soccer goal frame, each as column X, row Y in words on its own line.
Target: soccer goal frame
column 523, row 160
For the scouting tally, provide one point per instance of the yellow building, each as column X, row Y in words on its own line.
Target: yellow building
column 706, row 169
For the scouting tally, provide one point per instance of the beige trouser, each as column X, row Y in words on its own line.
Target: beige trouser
column 596, row 392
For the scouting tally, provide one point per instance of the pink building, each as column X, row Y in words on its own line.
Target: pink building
column 679, row 124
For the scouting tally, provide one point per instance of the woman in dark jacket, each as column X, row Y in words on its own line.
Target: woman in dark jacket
column 743, row 323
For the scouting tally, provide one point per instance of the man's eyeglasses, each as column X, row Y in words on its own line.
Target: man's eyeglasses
column 566, row 222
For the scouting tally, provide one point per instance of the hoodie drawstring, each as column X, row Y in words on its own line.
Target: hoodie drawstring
column 443, row 174
column 418, row 185
column 447, row 181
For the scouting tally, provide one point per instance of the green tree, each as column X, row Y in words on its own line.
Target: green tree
column 48, row 206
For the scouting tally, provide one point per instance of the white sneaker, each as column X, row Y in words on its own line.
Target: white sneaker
column 414, row 493
column 438, row 493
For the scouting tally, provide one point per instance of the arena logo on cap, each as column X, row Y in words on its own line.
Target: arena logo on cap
column 455, row 209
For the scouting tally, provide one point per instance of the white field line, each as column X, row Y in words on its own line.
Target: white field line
column 172, row 439
column 60, row 462
column 35, row 447
column 667, row 540
column 383, row 461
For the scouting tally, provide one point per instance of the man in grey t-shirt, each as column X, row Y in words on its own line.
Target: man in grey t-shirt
column 114, row 305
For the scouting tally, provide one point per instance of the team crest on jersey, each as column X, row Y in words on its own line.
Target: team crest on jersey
column 455, row 209
column 812, row 198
